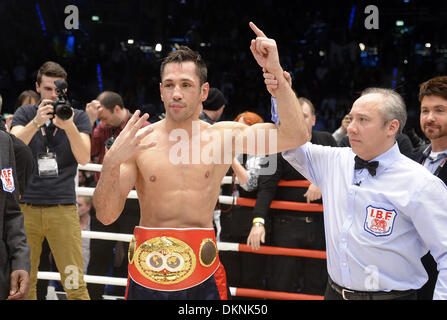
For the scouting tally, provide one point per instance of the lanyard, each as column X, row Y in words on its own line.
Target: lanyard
column 45, row 137
column 440, row 167
column 436, row 173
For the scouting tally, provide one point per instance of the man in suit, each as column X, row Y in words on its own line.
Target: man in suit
column 14, row 250
column 433, row 121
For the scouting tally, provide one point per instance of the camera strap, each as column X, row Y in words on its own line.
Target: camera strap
column 46, row 161
column 43, row 130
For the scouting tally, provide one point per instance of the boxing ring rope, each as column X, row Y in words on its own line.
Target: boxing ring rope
column 222, row 246
column 240, row 292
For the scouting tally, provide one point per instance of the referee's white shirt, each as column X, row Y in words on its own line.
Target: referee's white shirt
column 378, row 227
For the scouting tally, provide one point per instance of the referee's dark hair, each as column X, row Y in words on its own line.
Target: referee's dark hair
column 110, row 99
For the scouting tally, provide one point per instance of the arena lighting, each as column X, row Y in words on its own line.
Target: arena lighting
column 42, row 23
column 130, row 41
column 362, row 46
column 95, row 18
column 351, row 17
column 428, row 45
column 99, row 77
column 158, row 47
column 399, row 23
column 146, row 49
column 70, row 45
column 393, row 84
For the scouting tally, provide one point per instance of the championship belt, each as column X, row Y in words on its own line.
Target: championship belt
column 169, row 259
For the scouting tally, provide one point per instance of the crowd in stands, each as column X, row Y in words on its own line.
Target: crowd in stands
column 316, row 44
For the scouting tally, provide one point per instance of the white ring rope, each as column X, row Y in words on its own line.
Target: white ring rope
column 223, row 246
column 121, row 282
column 97, row 168
column 85, row 191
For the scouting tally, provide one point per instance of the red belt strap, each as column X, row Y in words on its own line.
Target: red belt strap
column 170, row 259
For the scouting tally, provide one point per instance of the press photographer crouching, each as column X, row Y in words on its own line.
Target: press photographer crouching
column 59, row 137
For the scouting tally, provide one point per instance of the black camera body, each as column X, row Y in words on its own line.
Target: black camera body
column 62, row 107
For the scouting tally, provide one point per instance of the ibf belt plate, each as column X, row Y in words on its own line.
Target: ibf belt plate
column 165, row 260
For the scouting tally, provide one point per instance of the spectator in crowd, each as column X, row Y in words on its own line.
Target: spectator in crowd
column 213, row 106
column 433, row 121
column 30, row 97
column 245, row 270
column 26, row 97
column 341, row 132
column 86, row 179
column 49, row 201
column 84, row 209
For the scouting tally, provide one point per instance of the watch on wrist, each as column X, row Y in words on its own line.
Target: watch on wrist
column 258, row 222
column 36, row 124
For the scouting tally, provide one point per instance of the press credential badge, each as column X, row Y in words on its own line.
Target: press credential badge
column 47, row 165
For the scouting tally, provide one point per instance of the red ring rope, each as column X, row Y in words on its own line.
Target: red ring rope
column 283, row 205
column 306, row 253
column 294, row 183
column 255, row 293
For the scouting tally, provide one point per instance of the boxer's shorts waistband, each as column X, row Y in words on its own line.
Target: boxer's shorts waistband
column 171, row 259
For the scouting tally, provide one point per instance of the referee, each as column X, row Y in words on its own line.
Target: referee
column 383, row 211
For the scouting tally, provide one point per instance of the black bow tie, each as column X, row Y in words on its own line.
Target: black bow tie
column 371, row 166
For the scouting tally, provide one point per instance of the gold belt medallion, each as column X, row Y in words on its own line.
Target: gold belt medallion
column 131, row 251
column 165, row 260
column 207, row 252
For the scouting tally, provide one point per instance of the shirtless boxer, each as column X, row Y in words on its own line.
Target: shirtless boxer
column 173, row 254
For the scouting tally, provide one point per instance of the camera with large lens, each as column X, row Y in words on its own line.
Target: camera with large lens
column 62, row 107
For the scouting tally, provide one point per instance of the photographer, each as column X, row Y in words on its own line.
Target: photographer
column 59, row 140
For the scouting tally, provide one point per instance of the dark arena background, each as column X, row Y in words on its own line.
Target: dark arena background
column 331, row 49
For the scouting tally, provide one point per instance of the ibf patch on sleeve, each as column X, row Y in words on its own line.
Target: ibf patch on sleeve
column 379, row 221
column 8, row 180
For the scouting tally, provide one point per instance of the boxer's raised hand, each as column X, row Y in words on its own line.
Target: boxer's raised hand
column 130, row 140
column 265, row 51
